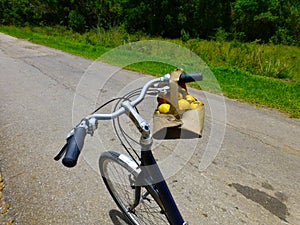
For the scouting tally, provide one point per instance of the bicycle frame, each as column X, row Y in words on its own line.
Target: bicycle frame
column 151, row 177
column 164, row 198
column 151, row 172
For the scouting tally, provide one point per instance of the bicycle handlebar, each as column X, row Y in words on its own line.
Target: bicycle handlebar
column 134, row 103
column 76, row 137
column 184, row 78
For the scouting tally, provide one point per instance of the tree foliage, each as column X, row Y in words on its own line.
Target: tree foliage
column 277, row 21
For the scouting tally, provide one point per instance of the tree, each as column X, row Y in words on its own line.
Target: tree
column 246, row 20
column 266, row 19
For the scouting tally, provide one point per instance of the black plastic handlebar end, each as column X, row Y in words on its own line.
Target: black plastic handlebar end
column 68, row 162
column 186, row 78
column 74, row 146
column 72, row 153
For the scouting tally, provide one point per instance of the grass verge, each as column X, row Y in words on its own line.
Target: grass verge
column 260, row 91
column 235, row 83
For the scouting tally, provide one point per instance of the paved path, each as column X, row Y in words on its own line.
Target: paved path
column 253, row 180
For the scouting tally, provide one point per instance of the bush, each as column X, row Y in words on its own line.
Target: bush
column 77, row 22
column 282, row 36
column 221, row 35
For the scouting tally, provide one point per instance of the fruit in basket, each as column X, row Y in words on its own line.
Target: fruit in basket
column 164, row 108
column 190, row 98
column 196, row 104
column 183, row 104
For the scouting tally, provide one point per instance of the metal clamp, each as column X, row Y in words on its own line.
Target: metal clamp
column 92, row 126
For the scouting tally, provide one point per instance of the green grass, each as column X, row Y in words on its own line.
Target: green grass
column 260, row 91
column 247, row 72
column 58, row 38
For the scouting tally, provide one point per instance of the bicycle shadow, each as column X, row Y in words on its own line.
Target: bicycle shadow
column 118, row 218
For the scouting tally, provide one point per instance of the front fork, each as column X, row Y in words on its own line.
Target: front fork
column 152, row 180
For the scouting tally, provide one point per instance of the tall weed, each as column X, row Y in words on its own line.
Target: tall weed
column 260, row 59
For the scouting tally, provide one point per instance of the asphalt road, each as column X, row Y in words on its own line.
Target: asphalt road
column 254, row 178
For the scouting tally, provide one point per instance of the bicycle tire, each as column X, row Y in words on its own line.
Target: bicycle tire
column 119, row 173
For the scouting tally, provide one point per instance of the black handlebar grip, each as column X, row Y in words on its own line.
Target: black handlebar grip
column 186, row 78
column 75, row 144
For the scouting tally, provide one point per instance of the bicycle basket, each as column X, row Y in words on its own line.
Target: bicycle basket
column 184, row 118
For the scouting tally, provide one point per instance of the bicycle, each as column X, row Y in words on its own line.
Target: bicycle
column 137, row 186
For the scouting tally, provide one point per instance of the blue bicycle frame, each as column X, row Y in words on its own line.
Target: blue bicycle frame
column 151, row 177
column 164, row 198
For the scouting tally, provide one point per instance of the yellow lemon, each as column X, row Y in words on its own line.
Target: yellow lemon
column 196, row 104
column 190, row 98
column 164, row 108
column 183, row 104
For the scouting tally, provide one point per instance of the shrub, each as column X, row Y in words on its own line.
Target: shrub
column 77, row 21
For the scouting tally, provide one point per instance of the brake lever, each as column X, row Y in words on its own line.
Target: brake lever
column 61, row 153
column 91, row 125
column 64, row 148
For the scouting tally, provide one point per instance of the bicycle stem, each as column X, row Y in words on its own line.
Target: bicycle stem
column 140, row 123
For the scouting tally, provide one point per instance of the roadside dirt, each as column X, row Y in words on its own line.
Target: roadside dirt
column 4, row 206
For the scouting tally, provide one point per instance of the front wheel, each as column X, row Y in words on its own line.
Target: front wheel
column 119, row 173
